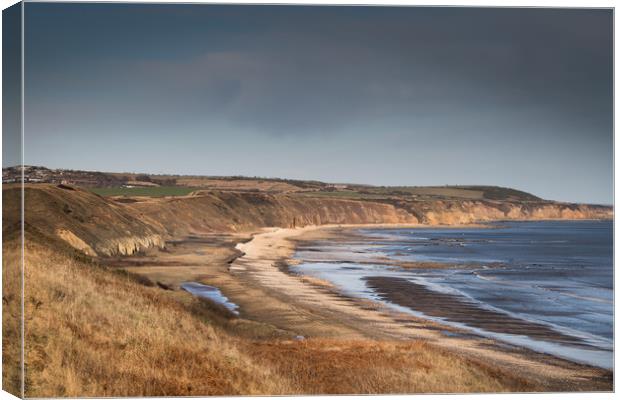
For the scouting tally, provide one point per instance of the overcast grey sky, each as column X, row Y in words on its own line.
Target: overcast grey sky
column 387, row 96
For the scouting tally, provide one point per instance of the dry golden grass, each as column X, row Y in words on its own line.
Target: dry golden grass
column 94, row 332
column 318, row 366
column 11, row 313
column 91, row 332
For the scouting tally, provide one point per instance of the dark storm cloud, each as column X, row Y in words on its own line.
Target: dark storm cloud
column 11, row 88
column 322, row 78
column 448, row 79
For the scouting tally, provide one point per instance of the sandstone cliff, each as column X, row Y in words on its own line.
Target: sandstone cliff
column 102, row 226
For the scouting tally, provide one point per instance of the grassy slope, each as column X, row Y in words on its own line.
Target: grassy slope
column 11, row 312
column 427, row 192
column 370, row 192
column 94, row 332
column 93, row 219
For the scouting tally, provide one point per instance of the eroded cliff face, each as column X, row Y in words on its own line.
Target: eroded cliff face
column 129, row 244
column 81, row 219
column 226, row 211
column 99, row 226
column 236, row 212
column 467, row 212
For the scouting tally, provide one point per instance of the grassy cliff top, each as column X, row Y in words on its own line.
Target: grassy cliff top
column 152, row 185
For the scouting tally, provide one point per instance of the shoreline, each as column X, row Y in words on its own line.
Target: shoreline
column 248, row 268
column 276, row 245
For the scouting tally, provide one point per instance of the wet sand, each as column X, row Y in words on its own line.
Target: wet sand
column 404, row 293
column 253, row 275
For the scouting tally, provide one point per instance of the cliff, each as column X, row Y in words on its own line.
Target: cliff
column 235, row 212
column 103, row 226
column 88, row 222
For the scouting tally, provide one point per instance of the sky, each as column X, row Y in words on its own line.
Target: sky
column 387, row 96
column 11, row 86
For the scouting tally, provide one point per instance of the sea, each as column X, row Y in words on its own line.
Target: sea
column 552, row 274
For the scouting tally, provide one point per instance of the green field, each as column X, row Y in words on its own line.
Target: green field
column 158, row 191
column 345, row 194
column 421, row 192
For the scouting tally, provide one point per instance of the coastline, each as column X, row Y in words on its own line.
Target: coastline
column 273, row 246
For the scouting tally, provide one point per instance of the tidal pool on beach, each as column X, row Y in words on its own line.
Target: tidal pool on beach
column 546, row 286
column 210, row 292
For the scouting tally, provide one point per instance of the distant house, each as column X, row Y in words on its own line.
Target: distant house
column 338, row 186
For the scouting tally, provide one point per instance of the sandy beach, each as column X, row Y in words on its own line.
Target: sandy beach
column 356, row 317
